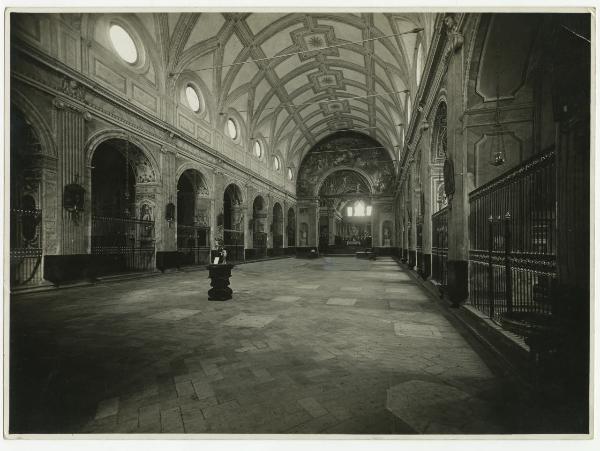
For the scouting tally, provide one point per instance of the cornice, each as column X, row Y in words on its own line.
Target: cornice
column 441, row 51
column 166, row 135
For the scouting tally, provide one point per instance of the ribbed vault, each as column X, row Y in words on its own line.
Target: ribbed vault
column 295, row 78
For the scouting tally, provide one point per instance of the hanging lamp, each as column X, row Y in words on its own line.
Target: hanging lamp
column 126, row 211
column 498, row 151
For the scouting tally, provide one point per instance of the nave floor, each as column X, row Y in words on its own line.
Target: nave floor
column 305, row 346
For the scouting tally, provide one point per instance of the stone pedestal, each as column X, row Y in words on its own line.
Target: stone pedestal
column 219, row 281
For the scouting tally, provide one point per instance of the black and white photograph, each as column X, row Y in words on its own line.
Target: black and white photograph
column 294, row 223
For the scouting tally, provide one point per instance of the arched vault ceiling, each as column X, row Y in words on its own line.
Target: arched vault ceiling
column 342, row 78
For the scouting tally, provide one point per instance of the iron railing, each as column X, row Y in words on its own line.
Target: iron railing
column 439, row 246
column 122, row 244
column 25, row 247
column 259, row 244
column 234, row 245
column 277, row 245
column 512, row 235
column 420, row 263
column 193, row 244
column 291, row 237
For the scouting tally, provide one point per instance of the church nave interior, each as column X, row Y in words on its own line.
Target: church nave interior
column 327, row 222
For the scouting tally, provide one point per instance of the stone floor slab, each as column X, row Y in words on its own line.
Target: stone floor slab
column 174, row 314
column 341, row 301
column 244, row 320
column 416, row 330
column 314, row 360
column 286, row 298
column 421, row 403
column 107, row 408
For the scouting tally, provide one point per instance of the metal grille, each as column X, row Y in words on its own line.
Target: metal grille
column 277, row 245
column 439, row 247
column 512, row 234
column 25, row 247
column 122, row 244
column 193, row 244
column 259, row 243
column 420, row 262
column 234, row 245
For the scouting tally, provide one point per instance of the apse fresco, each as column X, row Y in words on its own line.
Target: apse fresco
column 347, row 151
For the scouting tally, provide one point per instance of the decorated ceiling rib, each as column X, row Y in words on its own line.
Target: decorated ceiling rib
column 294, row 78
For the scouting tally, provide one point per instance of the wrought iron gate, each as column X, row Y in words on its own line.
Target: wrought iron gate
column 193, row 244
column 259, row 243
column 122, row 244
column 277, row 245
column 439, row 246
column 512, row 234
column 420, row 262
column 234, row 245
column 25, row 247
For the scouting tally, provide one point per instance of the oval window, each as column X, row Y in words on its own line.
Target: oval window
column 193, row 98
column 276, row 163
column 257, row 149
column 232, row 129
column 123, row 43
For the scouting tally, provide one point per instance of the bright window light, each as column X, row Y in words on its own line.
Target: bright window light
column 369, row 209
column 349, row 211
column 359, row 209
column 123, row 43
column 232, row 128
column 290, row 174
column 257, row 149
column 192, row 98
column 276, row 163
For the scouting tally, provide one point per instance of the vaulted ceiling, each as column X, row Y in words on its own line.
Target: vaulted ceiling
column 294, row 78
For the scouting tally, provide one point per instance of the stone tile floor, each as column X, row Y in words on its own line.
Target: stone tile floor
column 332, row 345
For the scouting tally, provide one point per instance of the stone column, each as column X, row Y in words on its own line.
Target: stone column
column 269, row 226
column 428, row 207
column 71, row 136
column 331, row 226
column 212, row 222
column 284, row 220
column 313, row 235
column 166, row 233
column 458, row 230
column 413, row 228
column 376, row 223
column 47, row 167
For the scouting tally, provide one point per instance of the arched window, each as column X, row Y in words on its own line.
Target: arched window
column 359, row 209
column 123, row 44
column 276, row 163
column 290, row 173
column 193, row 98
column 419, row 63
column 232, row 128
column 257, row 149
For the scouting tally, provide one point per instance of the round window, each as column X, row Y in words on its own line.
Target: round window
column 123, row 43
column 257, row 149
column 276, row 163
column 193, row 98
column 232, row 129
column 290, row 174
